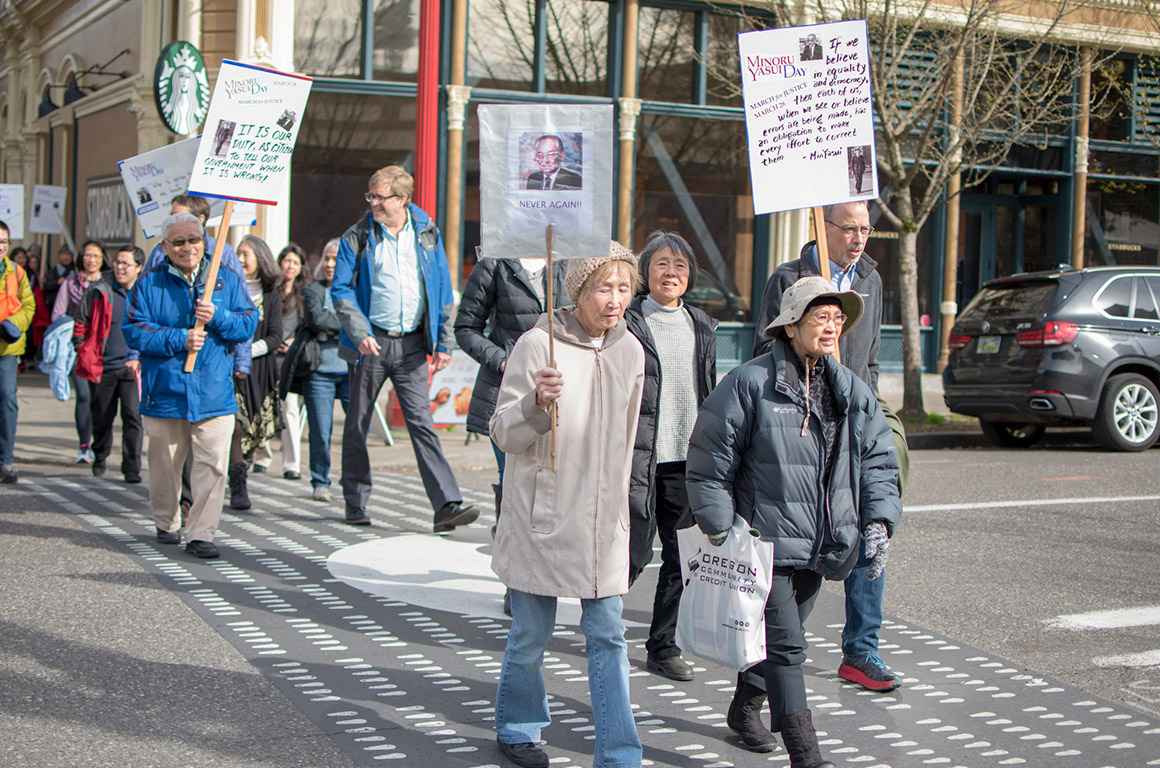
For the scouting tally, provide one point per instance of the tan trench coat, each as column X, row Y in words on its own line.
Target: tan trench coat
column 565, row 533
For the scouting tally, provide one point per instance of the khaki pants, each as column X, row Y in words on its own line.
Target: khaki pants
column 169, row 442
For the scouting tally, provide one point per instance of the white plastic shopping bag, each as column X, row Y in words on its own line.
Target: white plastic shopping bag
column 722, row 613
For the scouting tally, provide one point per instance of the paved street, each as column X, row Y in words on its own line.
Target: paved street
column 1024, row 608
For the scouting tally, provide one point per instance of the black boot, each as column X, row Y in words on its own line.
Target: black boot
column 744, row 718
column 239, row 495
column 801, row 742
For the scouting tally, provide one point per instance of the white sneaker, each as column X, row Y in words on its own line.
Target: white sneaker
column 90, row 457
column 320, row 493
column 84, row 456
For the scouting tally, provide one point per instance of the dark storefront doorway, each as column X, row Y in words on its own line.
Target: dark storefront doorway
column 1009, row 226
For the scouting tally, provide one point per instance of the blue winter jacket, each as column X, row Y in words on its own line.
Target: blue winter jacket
column 159, row 316
column 351, row 290
column 230, row 261
column 58, row 356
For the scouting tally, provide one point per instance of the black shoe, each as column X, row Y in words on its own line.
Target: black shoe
column 673, row 667
column 744, row 718
column 801, row 741
column 99, row 469
column 290, row 475
column 133, row 478
column 8, row 475
column 452, row 515
column 258, row 469
column 206, row 550
column 525, row 754
column 239, row 493
column 167, row 537
column 357, row 517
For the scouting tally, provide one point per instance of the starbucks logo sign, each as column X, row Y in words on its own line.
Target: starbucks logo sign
column 181, row 88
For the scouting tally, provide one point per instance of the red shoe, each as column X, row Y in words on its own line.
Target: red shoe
column 870, row 672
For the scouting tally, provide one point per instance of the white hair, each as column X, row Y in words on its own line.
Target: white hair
column 175, row 219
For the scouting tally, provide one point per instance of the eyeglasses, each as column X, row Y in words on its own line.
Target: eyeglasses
column 821, row 319
column 853, row 229
column 372, row 198
column 181, row 242
column 547, row 155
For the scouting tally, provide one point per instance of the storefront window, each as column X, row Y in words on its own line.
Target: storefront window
column 667, row 62
column 1125, row 164
column 501, row 44
column 328, row 37
column 883, row 248
column 576, row 47
column 344, row 138
column 396, row 36
column 1111, row 117
column 1123, row 225
column 722, row 65
column 691, row 179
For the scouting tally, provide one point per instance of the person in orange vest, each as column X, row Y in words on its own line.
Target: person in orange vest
column 17, row 305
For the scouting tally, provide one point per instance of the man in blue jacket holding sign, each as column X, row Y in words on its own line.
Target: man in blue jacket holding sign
column 392, row 293
column 188, row 411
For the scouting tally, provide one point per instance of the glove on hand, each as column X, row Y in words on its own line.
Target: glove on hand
column 717, row 539
column 9, row 332
column 875, row 547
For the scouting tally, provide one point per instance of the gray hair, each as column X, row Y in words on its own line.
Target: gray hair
column 828, row 211
column 320, row 267
column 675, row 243
column 175, row 219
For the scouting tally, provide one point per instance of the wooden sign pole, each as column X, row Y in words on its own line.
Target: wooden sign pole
column 550, row 282
column 819, row 221
column 211, row 277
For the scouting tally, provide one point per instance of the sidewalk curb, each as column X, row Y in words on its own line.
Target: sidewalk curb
column 933, row 441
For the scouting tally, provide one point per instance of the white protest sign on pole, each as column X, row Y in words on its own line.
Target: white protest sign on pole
column 544, row 164
column 250, row 131
column 449, row 393
column 152, row 179
column 47, row 210
column 12, row 209
column 808, row 114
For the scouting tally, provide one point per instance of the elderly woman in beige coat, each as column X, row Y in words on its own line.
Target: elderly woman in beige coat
column 564, row 532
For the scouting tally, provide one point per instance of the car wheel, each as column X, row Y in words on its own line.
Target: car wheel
column 1011, row 435
column 1129, row 414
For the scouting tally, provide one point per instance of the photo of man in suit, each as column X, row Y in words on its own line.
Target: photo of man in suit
column 857, row 159
column 549, row 157
column 811, row 48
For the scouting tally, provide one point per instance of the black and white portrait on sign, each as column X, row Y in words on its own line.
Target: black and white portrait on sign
column 858, row 165
column 811, row 49
column 552, row 162
column 222, row 137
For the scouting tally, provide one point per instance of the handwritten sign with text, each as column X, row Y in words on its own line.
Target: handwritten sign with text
column 250, row 132
column 809, row 116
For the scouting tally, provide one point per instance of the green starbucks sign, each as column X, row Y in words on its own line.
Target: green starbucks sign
column 181, row 88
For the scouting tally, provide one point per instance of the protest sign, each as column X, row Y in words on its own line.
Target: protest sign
column 250, row 132
column 152, row 179
column 47, row 210
column 450, row 392
column 545, row 164
column 12, row 209
column 808, row 114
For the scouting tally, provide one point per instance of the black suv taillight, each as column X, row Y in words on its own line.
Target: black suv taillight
column 958, row 340
column 1054, row 333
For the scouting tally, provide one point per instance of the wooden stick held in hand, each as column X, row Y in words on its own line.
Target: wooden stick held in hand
column 551, row 346
column 211, row 277
column 819, row 221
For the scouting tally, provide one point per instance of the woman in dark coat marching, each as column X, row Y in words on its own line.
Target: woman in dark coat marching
column 257, row 393
column 680, row 368
column 796, row 445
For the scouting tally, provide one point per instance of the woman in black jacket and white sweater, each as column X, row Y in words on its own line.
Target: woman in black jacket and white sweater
column 680, row 370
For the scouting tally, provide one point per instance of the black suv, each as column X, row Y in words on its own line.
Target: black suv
column 1067, row 348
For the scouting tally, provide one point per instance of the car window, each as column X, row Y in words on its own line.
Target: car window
column 1011, row 301
column 1145, row 301
column 1115, row 298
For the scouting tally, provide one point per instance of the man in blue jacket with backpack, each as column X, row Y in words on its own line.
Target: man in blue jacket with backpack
column 392, row 293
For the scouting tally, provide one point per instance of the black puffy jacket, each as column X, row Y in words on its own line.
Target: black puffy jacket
column 498, row 306
column 748, row 457
column 641, row 485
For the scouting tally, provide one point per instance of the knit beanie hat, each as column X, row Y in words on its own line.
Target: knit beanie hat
column 580, row 270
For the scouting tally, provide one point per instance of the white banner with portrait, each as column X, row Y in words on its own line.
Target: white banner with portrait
column 12, row 209
column 809, row 115
column 544, row 164
column 47, row 210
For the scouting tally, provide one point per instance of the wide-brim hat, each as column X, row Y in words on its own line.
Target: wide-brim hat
column 804, row 292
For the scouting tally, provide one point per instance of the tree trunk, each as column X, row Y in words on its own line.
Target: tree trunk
column 912, row 406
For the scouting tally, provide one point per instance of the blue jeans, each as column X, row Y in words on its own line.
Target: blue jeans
column 321, row 392
column 864, row 599
column 500, row 460
column 521, row 707
column 9, row 408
